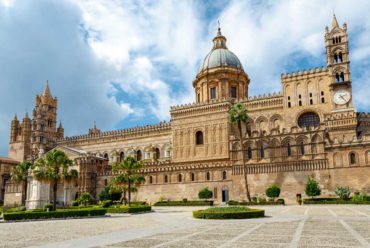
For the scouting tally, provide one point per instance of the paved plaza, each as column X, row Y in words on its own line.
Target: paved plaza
column 284, row 226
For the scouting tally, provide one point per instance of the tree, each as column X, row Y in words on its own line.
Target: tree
column 53, row 168
column 343, row 192
column 205, row 194
column 273, row 191
column 20, row 174
column 238, row 116
column 85, row 199
column 312, row 188
column 129, row 177
column 108, row 193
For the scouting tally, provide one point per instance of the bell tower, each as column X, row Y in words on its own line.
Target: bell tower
column 44, row 131
column 338, row 63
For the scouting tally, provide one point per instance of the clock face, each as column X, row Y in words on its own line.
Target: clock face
column 342, row 97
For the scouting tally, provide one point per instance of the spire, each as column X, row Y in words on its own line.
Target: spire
column 46, row 90
column 26, row 115
column 219, row 41
column 334, row 22
column 60, row 124
column 94, row 125
column 15, row 117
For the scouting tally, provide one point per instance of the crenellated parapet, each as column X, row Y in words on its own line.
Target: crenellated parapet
column 131, row 132
column 197, row 109
column 341, row 120
column 299, row 75
column 266, row 101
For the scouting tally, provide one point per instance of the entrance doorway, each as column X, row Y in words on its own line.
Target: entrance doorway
column 225, row 195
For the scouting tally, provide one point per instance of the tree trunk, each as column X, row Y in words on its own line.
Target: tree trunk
column 24, row 195
column 129, row 192
column 55, row 188
column 243, row 160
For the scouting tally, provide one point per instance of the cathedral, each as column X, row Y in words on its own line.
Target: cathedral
column 310, row 129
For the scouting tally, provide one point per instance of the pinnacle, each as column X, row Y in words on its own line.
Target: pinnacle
column 47, row 90
column 334, row 23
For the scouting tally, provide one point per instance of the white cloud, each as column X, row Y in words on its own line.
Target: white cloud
column 109, row 60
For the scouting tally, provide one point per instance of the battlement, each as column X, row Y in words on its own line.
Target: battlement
column 342, row 120
column 162, row 126
column 264, row 101
column 299, row 74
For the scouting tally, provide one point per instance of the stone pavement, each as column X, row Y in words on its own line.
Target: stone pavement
column 286, row 226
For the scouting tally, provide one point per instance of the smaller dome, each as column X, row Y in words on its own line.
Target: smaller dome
column 220, row 57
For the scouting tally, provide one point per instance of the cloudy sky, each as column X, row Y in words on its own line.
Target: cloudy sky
column 124, row 63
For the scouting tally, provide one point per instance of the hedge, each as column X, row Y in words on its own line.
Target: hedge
column 129, row 209
column 245, row 203
column 183, row 203
column 54, row 214
column 228, row 213
column 332, row 201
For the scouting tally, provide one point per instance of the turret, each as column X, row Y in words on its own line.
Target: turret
column 14, row 129
column 60, row 131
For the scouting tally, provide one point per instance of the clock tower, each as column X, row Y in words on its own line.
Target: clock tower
column 337, row 55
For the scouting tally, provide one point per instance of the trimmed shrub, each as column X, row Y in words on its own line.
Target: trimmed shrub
column 106, row 204
column 16, row 209
column 361, row 197
column 254, row 199
column 48, row 207
column 121, row 209
column 262, row 200
column 273, row 191
column 181, row 203
column 228, row 213
column 185, row 200
column 139, row 203
column 343, row 192
column 245, row 203
column 75, row 203
column 312, row 188
column 59, row 214
column 333, row 201
column 109, row 194
column 205, row 194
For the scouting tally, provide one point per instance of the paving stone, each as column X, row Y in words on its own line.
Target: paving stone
column 255, row 245
column 193, row 244
column 266, row 238
column 210, row 236
column 139, row 243
column 329, row 241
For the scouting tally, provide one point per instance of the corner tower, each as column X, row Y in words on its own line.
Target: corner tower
column 221, row 76
column 337, row 55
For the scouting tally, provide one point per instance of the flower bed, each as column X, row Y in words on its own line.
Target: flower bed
column 245, row 203
column 183, row 203
column 59, row 214
column 228, row 213
column 121, row 209
column 333, row 201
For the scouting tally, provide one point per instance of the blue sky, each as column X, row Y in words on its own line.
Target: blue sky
column 124, row 63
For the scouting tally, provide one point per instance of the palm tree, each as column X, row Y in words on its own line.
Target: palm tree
column 54, row 168
column 20, row 174
column 238, row 115
column 129, row 177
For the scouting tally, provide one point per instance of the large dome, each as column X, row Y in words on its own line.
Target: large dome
column 220, row 57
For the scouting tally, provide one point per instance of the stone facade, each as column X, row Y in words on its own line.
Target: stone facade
column 310, row 129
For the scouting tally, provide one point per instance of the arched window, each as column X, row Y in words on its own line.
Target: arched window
column 340, row 57
column 262, row 152
column 150, row 179
column 333, row 41
column 106, row 156
column 249, row 152
column 121, row 156
column 341, row 77
column 224, row 175
column 192, row 177
column 289, row 150
column 179, row 178
column 199, row 138
column 157, row 153
column 302, row 148
column 337, row 77
column 308, row 119
column 208, row 176
column 165, row 179
column 335, row 58
column 138, row 155
column 105, row 182
column 352, row 158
